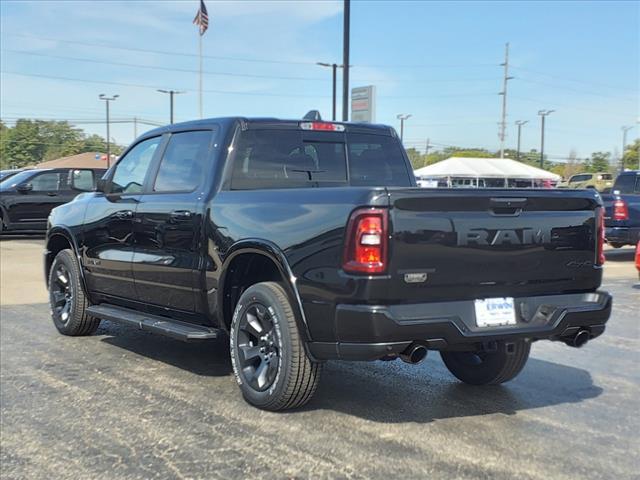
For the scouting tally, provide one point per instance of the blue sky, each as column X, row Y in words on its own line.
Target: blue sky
column 438, row 61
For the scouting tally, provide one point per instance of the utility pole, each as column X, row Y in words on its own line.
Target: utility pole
column 402, row 117
column 426, row 152
column 543, row 114
column 135, row 127
column 345, row 60
column 171, row 94
column 519, row 123
column 334, row 67
column 624, row 145
column 106, row 99
column 505, row 80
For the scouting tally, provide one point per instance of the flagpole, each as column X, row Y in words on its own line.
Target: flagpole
column 200, row 75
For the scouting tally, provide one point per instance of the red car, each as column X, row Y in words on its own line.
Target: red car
column 638, row 258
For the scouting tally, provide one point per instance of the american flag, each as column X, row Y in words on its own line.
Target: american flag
column 202, row 18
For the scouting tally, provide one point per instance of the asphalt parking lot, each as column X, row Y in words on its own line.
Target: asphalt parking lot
column 126, row 404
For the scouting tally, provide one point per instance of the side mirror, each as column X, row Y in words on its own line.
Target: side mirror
column 101, row 185
column 24, row 187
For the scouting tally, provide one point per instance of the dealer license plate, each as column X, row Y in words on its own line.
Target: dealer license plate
column 492, row 312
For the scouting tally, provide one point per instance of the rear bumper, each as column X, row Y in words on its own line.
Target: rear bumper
column 623, row 235
column 368, row 332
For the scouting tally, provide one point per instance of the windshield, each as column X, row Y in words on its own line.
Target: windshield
column 12, row 181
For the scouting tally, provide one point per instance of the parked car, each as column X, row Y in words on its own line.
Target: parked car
column 27, row 198
column 305, row 241
column 600, row 181
column 622, row 219
column 8, row 173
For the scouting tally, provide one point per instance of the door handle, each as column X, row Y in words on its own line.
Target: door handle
column 124, row 214
column 180, row 215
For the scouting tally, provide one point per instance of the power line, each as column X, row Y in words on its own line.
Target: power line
column 157, row 67
column 155, row 87
column 239, row 59
column 235, row 74
column 161, row 52
column 584, row 92
column 223, row 92
column 544, row 74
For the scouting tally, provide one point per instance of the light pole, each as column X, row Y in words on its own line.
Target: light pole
column 345, row 60
column 106, row 99
column 519, row 123
column 334, row 67
column 402, row 117
column 171, row 94
column 624, row 145
column 543, row 114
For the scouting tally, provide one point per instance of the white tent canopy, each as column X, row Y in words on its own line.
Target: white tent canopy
column 469, row 167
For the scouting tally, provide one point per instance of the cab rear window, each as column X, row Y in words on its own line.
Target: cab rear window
column 268, row 159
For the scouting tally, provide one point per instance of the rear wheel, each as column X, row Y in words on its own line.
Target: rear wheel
column 488, row 368
column 267, row 353
column 67, row 299
column 616, row 245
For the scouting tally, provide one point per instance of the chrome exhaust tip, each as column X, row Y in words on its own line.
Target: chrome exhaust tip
column 414, row 354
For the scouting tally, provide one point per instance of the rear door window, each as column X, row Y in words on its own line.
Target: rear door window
column 183, row 163
column 46, row 182
column 376, row 160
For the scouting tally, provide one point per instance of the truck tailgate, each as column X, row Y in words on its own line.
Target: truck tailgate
column 457, row 244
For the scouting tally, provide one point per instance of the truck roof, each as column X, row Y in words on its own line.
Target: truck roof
column 268, row 122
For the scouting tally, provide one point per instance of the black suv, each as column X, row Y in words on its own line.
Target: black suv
column 304, row 241
column 27, row 197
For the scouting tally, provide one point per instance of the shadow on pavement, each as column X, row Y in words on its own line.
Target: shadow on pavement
column 386, row 392
column 202, row 358
column 430, row 393
column 5, row 237
column 621, row 255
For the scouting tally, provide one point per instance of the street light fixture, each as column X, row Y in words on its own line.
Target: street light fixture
column 402, row 117
column 624, row 145
column 543, row 114
column 334, row 67
column 171, row 94
column 519, row 123
column 106, row 99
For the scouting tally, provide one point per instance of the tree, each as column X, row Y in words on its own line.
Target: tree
column 30, row 142
column 599, row 162
column 631, row 158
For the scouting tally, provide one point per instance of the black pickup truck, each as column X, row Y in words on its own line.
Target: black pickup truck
column 305, row 241
column 622, row 210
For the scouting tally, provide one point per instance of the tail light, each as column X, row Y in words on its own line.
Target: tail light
column 600, row 234
column 620, row 210
column 366, row 241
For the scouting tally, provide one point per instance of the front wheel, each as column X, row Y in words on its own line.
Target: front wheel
column 267, row 353
column 488, row 368
column 67, row 299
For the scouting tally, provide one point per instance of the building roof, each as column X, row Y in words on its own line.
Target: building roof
column 470, row 167
column 81, row 160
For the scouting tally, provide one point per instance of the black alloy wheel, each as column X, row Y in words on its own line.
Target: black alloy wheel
column 67, row 297
column 62, row 293
column 258, row 346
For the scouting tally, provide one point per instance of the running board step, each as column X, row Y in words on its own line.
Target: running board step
column 163, row 325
